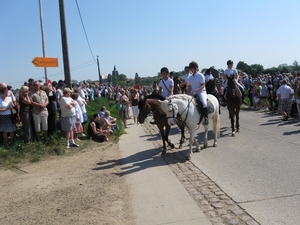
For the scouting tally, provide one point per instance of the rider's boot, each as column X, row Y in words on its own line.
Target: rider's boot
column 205, row 116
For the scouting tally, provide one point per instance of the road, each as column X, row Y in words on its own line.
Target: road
column 258, row 168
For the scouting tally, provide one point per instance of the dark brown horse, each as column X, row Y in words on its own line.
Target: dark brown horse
column 234, row 102
column 152, row 104
column 176, row 89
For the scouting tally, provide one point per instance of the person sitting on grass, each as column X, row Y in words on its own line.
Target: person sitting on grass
column 109, row 123
column 95, row 130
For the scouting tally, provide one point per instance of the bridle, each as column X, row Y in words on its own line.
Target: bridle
column 174, row 115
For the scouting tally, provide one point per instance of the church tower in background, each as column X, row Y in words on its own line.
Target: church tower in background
column 115, row 72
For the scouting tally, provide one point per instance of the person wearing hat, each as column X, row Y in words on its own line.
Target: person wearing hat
column 231, row 71
column 39, row 102
column 196, row 88
column 166, row 84
column 68, row 117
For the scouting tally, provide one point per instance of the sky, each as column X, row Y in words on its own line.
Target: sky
column 142, row 36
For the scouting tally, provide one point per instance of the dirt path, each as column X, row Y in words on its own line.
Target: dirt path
column 77, row 189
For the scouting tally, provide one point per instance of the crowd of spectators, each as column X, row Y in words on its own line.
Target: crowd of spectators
column 42, row 106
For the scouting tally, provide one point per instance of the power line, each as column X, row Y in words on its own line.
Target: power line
column 84, row 30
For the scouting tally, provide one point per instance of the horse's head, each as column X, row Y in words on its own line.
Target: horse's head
column 144, row 109
column 170, row 109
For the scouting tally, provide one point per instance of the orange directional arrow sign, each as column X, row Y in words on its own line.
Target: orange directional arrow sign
column 45, row 62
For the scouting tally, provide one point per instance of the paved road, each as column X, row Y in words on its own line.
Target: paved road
column 257, row 169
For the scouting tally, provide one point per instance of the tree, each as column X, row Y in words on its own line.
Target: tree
column 137, row 79
column 296, row 65
column 256, row 69
column 122, row 77
column 242, row 66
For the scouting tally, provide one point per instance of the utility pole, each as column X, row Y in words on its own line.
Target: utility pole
column 100, row 77
column 64, row 43
column 43, row 37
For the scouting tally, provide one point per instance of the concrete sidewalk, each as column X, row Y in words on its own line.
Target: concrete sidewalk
column 158, row 197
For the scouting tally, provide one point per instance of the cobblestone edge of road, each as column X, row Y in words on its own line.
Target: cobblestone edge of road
column 214, row 202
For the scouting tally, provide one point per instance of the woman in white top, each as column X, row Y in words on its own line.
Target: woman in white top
column 6, row 123
column 68, row 117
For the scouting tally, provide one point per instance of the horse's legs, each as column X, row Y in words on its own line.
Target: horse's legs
column 216, row 129
column 197, row 145
column 231, row 115
column 182, row 139
column 192, row 139
column 167, row 137
column 162, row 133
column 237, row 120
column 205, row 137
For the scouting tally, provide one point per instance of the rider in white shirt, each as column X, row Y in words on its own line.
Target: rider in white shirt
column 184, row 79
column 196, row 88
column 166, row 84
column 231, row 71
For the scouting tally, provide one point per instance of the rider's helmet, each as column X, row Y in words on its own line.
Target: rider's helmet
column 164, row 69
column 229, row 62
column 193, row 65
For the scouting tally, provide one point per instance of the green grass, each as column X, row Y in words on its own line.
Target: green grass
column 55, row 144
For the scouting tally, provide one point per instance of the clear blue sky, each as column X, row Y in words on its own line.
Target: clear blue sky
column 141, row 36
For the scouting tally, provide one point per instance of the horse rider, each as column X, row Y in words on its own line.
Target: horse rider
column 184, row 79
column 229, row 72
column 196, row 88
column 210, row 83
column 166, row 85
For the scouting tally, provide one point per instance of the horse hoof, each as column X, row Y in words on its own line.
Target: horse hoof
column 172, row 145
column 180, row 146
column 197, row 150
column 205, row 146
column 237, row 130
column 233, row 134
column 163, row 152
column 215, row 145
column 188, row 157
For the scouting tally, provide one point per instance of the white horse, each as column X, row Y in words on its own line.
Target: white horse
column 186, row 106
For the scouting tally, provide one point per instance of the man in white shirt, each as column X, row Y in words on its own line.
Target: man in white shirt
column 284, row 95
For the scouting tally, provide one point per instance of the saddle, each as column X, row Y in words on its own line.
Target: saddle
column 210, row 107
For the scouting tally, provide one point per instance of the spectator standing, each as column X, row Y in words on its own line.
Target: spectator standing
column 7, row 124
column 298, row 96
column 25, row 114
column 125, row 102
column 39, row 102
column 134, row 100
column 284, row 95
column 68, row 117
column 78, row 129
column 264, row 95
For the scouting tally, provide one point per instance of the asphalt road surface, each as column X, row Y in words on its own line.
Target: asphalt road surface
column 258, row 168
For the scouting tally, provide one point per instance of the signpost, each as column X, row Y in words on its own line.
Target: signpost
column 45, row 62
